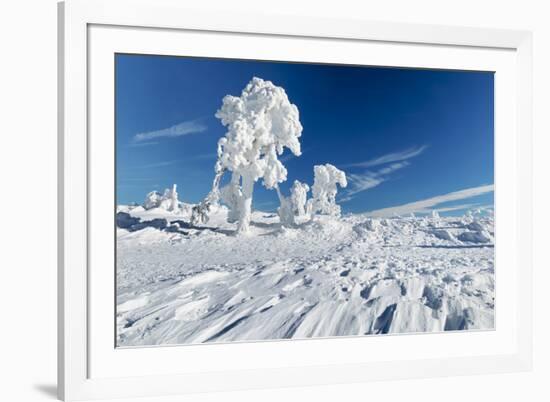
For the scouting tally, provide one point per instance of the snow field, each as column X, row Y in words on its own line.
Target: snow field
column 328, row 277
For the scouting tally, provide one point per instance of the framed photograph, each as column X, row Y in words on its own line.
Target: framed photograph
column 255, row 201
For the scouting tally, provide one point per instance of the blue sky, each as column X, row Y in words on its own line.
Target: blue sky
column 407, row 138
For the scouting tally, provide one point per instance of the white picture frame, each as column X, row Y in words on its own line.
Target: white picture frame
column 90, row 367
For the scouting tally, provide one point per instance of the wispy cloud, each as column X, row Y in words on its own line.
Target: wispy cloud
column 143, row 144
column 362, row 182
column 181, row 129
column 391, row 157
column 160, row 164
column 428, row 204
column 359, row 182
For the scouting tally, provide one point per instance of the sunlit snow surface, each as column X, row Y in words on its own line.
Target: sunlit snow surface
column 330, row 277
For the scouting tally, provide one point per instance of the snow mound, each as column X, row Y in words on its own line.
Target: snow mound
column 443, row 234
column 475, row 237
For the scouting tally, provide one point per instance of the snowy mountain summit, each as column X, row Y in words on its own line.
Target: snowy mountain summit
column 219, row 270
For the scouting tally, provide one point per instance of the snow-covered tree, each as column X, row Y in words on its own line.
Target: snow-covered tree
column 168, row 200
column 260, row 123
column 200, row 212
column 298, row 196
column 285, row 210
column 152, row 200
column 324, row 189
column 293, row 206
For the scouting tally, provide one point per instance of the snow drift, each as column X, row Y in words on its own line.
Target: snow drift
column 331, row 276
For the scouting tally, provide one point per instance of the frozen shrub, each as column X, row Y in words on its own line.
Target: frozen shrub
column 324, row 189
column 293, row 206
column 168, row 201
column 152, row 200
column 298, row 196
column 286, row 212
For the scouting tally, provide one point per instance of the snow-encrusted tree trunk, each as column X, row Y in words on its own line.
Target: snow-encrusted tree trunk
column 285, row 210
column 245, row 207
column 294, row 206
column 260, row 123
column 174, row 203
column 200, row 212
column 231, row 196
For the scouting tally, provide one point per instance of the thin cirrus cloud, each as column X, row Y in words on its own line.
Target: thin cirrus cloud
column 160, row 164
column 212, row 156
column 370, row 178
column 179, row 130
column 429, row 204
column 391, row 157
column 360, row 182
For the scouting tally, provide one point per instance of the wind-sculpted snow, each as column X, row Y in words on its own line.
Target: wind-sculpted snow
column 326, row 277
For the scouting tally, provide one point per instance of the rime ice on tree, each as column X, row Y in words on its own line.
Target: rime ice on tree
column 168, row 201
column 260, row 123
column 298, row 196
column 324, row 189
column 152, row 200
column 293, row 206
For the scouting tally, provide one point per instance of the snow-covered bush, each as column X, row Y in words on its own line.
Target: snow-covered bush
column 324, row 189
column 168, row 200
column 285, row 211
column 152, row 200
column 298, row 196
column 294, row 206
column 260, row 123
column 200, row 212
